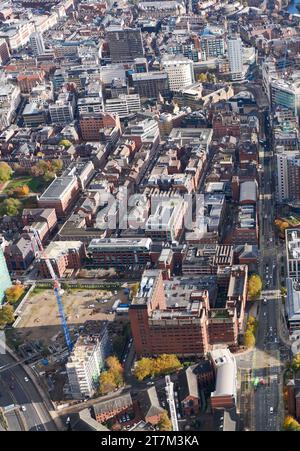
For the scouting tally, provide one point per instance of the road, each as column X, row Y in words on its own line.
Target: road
column 269, row 352
column 15, row 390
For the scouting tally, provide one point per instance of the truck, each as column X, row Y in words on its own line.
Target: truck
column 115, row 305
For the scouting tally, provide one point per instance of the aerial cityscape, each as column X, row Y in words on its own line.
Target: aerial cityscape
column 149, row 216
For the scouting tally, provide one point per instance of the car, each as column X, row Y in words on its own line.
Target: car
column 271, row 410
column 265, row 313
column 23, row 408
column 265, row 301
column 26, row 379
column 150, row 383
column 271, row 328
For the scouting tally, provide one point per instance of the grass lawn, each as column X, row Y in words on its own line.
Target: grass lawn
column 34, row 183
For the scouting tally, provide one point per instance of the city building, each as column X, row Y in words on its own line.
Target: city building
column 225, row 392
column 105, row 410
column 125, row 44
column 288, row 175
column 235, row 57
column 61, row 194
column 62, row 111
column 4, row 52
column 150, row 84
column 5, row 281
column 292, row 305
column 292, row 240
column 64, row 255
column 36, row 43
column 123, row 105
column 120, row 253
column 86, row 362
column 180, row 72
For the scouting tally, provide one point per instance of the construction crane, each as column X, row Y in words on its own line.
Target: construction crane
column 171, row 402
column 56, row 287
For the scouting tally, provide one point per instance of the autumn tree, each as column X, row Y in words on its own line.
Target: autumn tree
column 296, row 362
column 107, row 382
column 143, row 368
column 5, row 172
column 202, row 77
column 254, row 286
column 10, row 207
column 49, row 176
column 14, row 293
column 249, row 339
column 134, row 289
column 165, row 423
column 115, row 368
column 57, row 165
column 291, row 424
column 166, row 363
column 6, row 315
column 21, row 191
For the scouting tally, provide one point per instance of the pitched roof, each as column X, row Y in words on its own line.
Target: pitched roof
column 149, row 402
column 113, row 404
column 188, row 384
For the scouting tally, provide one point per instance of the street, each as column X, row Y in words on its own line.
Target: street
column 17, row 390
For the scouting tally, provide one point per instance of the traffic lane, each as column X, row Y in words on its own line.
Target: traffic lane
column 25, row 393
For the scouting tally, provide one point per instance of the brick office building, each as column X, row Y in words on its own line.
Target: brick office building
column 61, row 194
column 63, row 255
column 190, row 327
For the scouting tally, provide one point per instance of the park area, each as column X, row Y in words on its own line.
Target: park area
column 40, row 316
column 35, row 184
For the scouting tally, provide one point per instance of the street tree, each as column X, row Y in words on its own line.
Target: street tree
column 254, row 286
column 14, row 293
column 165, row 423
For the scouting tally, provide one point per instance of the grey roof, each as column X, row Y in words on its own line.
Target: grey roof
column 58, row 187
column 188, row 384
column 225, row 420
column 225, row 365
column 248, row 191
column 83, row 421
column 149, row 402
column 293, row 299
column 113, row 404
column 247, row 250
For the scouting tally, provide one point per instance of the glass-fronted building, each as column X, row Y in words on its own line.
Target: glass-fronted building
column 5, row 280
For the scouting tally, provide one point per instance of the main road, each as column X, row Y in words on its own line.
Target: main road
column 17, row 388
column 270, row 351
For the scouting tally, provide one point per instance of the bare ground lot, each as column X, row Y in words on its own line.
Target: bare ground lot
column 40, row 319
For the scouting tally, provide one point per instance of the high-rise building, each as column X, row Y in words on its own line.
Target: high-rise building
column 125, row 44
column 37, row 45
column 180, row 72
column 235, row 56
column 4, row 52
column 288, row 175
column 86, row 362
column 150, row 84
column 285, row 93
column 5, row 281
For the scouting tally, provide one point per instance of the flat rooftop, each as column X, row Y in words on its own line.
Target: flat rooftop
column 58, row 188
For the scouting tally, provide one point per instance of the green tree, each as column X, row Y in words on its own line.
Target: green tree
column 291, row 424
column 202, row 78
column 254, row 286
column 5, row 172
column 165, row 423
column 49, row 176
column 6, row 315
column 10, row 207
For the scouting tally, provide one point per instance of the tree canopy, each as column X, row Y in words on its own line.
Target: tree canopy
column 254, row 286
column 164, row 364
column 6, row 315
column 10, row 207
column 165, row 423
column 14, row 293
column 113, row 377
column 291, row 424
column 5, row 172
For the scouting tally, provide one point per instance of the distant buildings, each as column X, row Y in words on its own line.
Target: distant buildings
column 36, row 43
column 292, row 241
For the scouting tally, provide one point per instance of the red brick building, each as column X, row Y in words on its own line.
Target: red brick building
column 63, row 255
column 91, row 124
column 61, row 195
